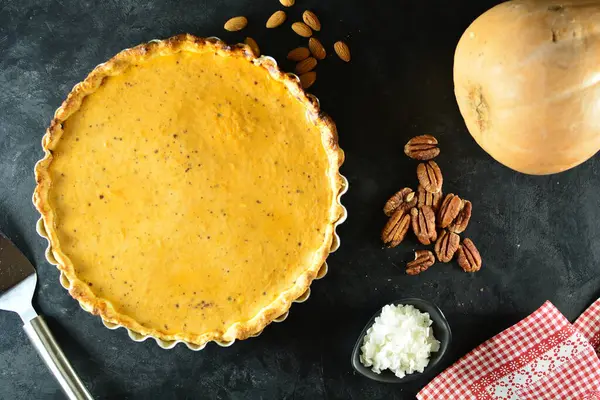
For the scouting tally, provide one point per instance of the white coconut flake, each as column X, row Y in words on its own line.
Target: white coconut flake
column 401, row 339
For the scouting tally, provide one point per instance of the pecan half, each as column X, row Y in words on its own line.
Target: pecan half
column 423, row 260
column 446, row 245
column 395, row 230
column 462, row 219
column 424, row 198
column 449, row 209
column 404, row 198
column 423, row 224
column 422, row 147
column 469, row 258
column 430, row 176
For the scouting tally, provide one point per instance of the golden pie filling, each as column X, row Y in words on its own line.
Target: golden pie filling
column 188, row 192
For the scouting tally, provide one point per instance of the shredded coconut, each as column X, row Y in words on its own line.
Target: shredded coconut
column 401, row 340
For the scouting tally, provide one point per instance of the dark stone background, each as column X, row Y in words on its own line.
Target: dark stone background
column 539, row 236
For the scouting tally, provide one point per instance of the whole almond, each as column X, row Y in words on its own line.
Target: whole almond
column 342, row 50
column 310, row 18
column 302, row 29
column 316, row 48
column 306, row 65
column 253, row 46
column 236, row 24
column 276, row 19
column 287, row 3
column 308, row 79
column 298, row 54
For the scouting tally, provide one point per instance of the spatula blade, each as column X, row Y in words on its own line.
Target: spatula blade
column 17, row 279
column 17, row 284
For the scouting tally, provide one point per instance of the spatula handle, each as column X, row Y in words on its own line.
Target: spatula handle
column 48, row 349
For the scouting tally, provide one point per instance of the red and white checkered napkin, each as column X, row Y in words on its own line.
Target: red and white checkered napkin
column 541, row 357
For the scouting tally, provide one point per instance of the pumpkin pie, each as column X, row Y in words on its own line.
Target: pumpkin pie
column 190, row 190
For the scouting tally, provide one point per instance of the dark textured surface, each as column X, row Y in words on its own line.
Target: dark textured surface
column 539, row 236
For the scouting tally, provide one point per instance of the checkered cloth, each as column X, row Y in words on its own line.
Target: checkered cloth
column 541, row 357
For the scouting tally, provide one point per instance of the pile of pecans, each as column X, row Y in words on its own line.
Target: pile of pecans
column 432, row 219
column 305, row 57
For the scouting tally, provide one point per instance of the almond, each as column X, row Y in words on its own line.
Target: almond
column 236, row 24
column 316, row 48
column 298, row 54
column 306, row 65
column 276, row 19
column 310, row 18
column 302, row 29
column 287, row 3
column 253, row 46
column 342, row 50
column 308, row 79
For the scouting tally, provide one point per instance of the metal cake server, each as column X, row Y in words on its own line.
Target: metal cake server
column 17, row 285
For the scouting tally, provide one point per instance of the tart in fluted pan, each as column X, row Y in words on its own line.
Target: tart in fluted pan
column 189, row 190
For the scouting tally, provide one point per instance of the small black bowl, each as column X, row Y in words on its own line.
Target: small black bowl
column 441, row 331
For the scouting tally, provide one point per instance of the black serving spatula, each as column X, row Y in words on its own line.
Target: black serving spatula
column 17, row 285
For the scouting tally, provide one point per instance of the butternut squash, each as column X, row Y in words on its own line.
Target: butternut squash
column 527, row 83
